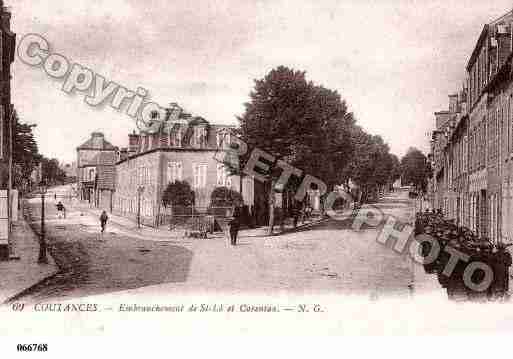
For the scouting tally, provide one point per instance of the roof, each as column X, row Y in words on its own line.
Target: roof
column 96, row 142
column 478, row 47
column 484, row 34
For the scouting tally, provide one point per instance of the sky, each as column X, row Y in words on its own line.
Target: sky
column 393, row 62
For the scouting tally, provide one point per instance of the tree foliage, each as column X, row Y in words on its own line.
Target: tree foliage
column 26, row 156
column 52, row 173
column 310, row 127
column 415, row 169
column 178, row 193
column 298, row 122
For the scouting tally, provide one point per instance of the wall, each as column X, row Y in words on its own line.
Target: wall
column 141, row 171
column 189, row 159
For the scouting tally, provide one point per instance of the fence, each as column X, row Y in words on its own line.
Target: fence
column 195, row 221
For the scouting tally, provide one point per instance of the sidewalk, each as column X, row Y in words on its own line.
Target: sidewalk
column 19, row 275
column 162, row 233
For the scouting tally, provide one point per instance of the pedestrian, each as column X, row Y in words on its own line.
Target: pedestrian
column 61, row 210
column 296, row 213
column 234, row 225
column 103, row 220
column 308, row 212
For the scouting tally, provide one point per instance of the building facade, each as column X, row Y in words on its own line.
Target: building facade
column 92, row 158
column 186, row 150
column 474, row 151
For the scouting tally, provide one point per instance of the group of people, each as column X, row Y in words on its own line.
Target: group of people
column 299, row 213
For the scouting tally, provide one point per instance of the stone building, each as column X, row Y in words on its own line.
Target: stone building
column 486, row 110
column 182, row 148
column 475, row 152
column 449, row 146
column 93, row 159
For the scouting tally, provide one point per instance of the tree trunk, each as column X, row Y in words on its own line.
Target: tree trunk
column 272, row 200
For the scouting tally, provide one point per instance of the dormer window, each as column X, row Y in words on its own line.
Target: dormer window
column 178, row 138
column 219, row 138
column 199, row 139
column 222, row 139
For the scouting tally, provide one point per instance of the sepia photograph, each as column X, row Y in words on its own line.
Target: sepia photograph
column 244, row 167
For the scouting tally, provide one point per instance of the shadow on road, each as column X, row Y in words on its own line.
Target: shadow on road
column 91, row 264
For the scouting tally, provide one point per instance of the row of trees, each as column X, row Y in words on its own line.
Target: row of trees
column 26, row 158
column 310, row 127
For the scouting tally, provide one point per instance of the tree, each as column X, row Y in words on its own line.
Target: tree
column 52, row 173
column 224, row 197
column 372, row 166
column 297, row 122
column 25, row 153
column 415, row 169
column 178, row 193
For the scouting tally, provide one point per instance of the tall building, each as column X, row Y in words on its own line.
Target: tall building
column 475, row 151
column 7, row 52
column 486, row 114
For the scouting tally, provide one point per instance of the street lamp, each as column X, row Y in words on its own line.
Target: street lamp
column 140, row 190
column 42, row 242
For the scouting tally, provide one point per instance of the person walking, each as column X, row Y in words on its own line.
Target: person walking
column 61, row 210
column 235, row 225
column 103, row 220
column 296, row 213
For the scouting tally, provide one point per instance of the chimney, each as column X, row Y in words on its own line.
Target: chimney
column 453, row 103
column 133, row 143
column 503, row 42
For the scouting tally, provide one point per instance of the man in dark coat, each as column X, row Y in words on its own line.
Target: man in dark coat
column 235, row 225
column 103, row 220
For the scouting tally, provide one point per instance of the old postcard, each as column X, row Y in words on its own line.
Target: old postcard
column 255, row 167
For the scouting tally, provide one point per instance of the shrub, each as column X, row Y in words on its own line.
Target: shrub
column 178, row 193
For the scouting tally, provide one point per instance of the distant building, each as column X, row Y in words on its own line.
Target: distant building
column 182, row 150
column 92, row 158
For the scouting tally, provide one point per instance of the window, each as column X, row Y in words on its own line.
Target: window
column 199, row 139
column 174, row 172
column 219, row 138
column 178, row 138
column 200, row 175
column 223, row 176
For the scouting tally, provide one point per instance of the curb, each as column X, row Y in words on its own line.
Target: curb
column 25, row 291
column 303, row 226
